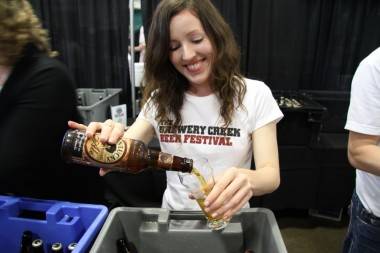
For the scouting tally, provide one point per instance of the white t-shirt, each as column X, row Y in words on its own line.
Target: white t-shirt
column 200, row 135
column 364, row 117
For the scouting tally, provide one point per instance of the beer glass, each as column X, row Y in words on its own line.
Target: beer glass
column 199, row 183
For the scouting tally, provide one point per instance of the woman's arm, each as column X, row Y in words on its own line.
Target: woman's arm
column 266, row 178
column 364, row 152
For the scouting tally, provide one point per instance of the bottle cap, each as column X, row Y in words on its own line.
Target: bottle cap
column 72, row 246
column 56, row 246
column 37, row 243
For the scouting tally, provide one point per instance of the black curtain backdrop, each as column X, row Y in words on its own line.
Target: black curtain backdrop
column 289, row 44
column 298, row 44
column 92, row 39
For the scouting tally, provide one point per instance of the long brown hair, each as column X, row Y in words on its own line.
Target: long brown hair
column 19, row 26
column 165, row 86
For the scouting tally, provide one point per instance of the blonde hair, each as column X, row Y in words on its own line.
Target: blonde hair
column 20, row 26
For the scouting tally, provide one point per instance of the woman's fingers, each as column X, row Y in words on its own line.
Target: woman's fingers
column 117, row 132
column 229, row 194
column 236, row 202
column 219, row 187
column 110, row 131
column 232, row 211
column 106, row 131
column 76, row 125
column 104, row 171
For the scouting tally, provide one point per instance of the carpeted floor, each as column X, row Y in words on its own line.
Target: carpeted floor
column 305, row 234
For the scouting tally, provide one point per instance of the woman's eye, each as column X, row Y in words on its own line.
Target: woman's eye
column 197, row 40
column 173, row 47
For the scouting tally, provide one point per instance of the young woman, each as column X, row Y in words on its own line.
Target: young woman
column 198, row 104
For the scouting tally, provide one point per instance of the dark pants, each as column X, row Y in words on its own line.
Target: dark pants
column 363, row 235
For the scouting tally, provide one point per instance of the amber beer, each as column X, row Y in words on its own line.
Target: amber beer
column 206, row 190
column 127, row 155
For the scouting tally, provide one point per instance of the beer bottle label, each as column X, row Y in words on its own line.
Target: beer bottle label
column 104, row 153
column 77, row 147
column 165, row 161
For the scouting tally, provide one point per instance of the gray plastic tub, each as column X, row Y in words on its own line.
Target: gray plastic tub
column 162, row 231
column 94, row 104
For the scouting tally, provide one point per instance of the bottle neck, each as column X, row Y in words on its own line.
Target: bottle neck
column 169, row 162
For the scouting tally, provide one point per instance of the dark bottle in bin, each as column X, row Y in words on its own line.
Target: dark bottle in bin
column 121, row 245
column 26, row 242
column 57, row 247
column 127, row 155
column 71, row 247
column 37, row 246
column 125, row 246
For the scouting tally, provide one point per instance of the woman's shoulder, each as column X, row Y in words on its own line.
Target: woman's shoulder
column 255, row 87
column 372, row 61
column 46, row 62
column 51, row 70
column 34, row 62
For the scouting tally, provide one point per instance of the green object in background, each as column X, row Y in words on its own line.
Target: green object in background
column 137, row 20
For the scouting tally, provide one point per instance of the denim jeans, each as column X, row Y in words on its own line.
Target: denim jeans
column 363, row 235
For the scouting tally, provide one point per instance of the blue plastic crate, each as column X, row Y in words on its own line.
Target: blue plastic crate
column 52, row 221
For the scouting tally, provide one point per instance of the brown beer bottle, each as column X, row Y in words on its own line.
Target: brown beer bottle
column 127, row 155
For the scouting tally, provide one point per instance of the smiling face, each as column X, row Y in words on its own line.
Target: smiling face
column 191, row 51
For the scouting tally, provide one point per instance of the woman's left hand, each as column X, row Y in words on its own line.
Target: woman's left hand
column 232, row 190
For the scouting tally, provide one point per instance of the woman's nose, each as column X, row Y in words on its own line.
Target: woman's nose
column 187, row 52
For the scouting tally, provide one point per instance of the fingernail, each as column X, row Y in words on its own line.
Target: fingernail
column 207, row 209
column 112, row 141
column 214, row 215
column 206, row 203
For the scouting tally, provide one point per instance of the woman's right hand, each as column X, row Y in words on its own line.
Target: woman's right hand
column 110, row 132
column 76, row 125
